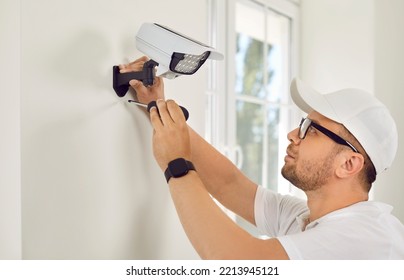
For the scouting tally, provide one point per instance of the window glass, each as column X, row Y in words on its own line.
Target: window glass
column 261, row 90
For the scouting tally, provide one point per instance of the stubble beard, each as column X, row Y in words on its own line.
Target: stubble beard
column 310, row 175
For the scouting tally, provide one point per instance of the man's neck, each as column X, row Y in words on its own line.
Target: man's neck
column 322, row 202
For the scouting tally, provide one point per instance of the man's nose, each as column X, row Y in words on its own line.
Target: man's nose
column 293, row 136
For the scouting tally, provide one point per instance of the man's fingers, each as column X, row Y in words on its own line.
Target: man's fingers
column 164, row 114
column 155, row 119
column 170, row 112
column 175, row 111
column 136, row 65
column 141, row 60
column 126, row 68
column 135, row 83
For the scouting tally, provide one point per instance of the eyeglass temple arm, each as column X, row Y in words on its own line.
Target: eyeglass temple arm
column 335, row 137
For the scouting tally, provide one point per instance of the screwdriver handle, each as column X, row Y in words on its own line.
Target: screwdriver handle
column 154, row 104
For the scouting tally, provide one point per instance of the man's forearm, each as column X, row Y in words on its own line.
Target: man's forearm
column 213, row 234
column 222, row 178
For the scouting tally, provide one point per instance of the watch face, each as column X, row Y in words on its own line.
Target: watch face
column 178, row 167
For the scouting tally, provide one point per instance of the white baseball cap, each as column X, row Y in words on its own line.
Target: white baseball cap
column 360, row 112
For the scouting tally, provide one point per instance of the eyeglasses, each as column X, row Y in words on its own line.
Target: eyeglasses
column 305, row 125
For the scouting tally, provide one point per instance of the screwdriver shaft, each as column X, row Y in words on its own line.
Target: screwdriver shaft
column 153, row 104
column 138, row 103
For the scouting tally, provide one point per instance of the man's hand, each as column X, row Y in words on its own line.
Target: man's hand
column 171, row 135
column 144, row 94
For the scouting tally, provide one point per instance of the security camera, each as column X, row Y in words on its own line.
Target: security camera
column 171, row 55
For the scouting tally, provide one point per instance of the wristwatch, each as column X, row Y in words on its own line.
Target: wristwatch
column 177, row 168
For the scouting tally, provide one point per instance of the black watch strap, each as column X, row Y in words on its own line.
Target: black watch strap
column 178, row 168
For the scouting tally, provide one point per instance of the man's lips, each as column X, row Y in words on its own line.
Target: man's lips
column 290, row 153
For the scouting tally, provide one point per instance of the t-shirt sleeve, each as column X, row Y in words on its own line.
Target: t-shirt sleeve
column 275, row 214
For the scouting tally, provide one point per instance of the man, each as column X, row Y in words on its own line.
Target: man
column 334, row 155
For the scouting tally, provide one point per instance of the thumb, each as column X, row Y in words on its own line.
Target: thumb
column 135, row 83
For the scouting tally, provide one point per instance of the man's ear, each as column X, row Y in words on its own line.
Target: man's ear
column 349, row 163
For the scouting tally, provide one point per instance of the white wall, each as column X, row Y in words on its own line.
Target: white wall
column 337, row 44
column 389, row 87
column 359, row 44
column 90, row 186
column 10, row 187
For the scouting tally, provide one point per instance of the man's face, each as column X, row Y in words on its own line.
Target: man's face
column 309, row 163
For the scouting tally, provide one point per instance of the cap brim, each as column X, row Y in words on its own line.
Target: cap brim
column 308, row 100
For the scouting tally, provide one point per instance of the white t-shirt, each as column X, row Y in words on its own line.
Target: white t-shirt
column 365, row 230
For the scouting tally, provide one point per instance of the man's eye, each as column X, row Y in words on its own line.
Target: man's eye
column 312, row 129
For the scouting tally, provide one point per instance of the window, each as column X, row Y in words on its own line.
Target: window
column 250, row 107
column 260, row 91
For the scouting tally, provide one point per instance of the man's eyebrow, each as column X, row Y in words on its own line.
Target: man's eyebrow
column 314, row 120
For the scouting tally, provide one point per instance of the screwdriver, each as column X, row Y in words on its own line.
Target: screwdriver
column 154, row 104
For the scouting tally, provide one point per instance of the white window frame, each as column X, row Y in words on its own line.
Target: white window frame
column 221, row 121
